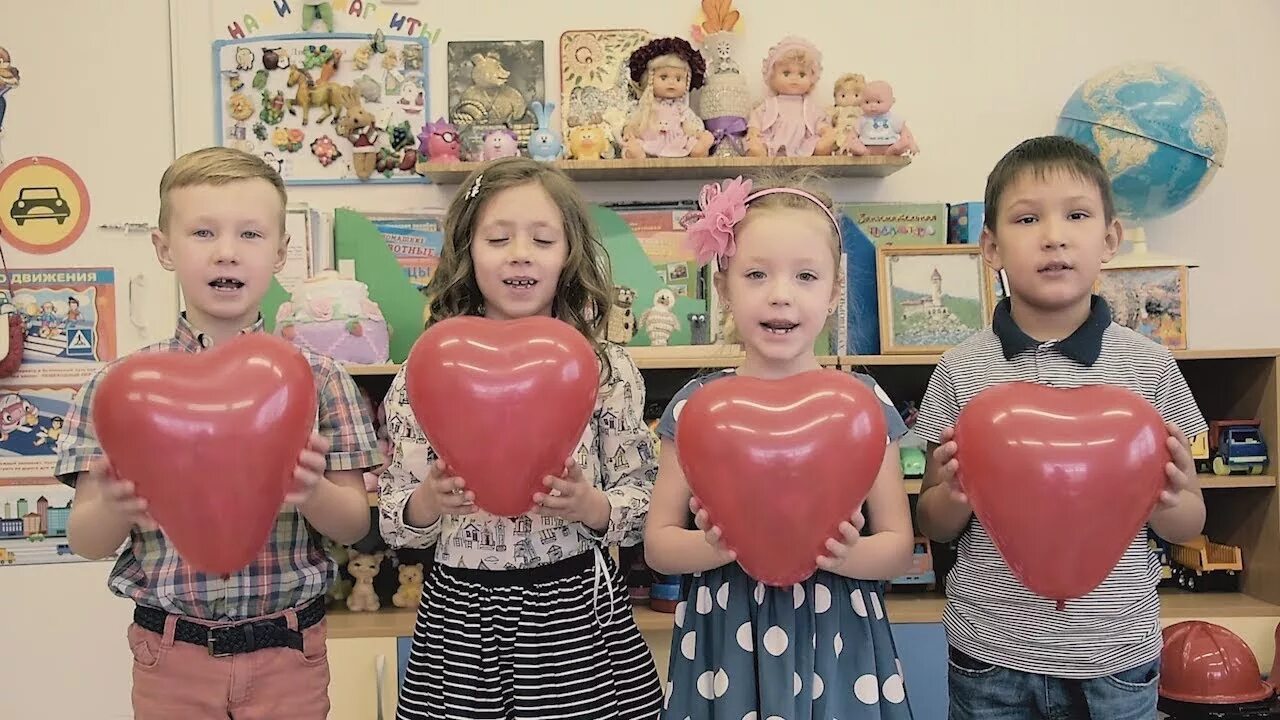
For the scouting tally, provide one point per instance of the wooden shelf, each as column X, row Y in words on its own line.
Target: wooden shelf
column 1207, row 482
column 854, row 361
column 689, row 168
column 902, row 607
column 685, row 357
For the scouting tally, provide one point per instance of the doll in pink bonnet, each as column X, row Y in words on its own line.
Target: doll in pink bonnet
column 790, row 121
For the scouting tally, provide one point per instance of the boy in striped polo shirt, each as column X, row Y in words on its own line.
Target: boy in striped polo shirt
column 251, row 644
column 1050, row 225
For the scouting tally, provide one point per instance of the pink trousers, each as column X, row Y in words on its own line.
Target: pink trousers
column 180, row 681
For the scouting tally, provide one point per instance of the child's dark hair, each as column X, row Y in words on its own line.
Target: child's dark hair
column 1041, row 155
column 584, row 292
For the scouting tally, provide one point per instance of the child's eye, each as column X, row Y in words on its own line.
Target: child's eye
column 250, row 234
column 495, row 241
column 1025, row 220
column 541, row 241
column 807, row 276
column 755, row 275
column 203, row 233
column 1079, row 215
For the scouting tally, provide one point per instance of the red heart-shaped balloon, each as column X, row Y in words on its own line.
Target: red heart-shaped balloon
column 504, row 403
column 210, row 440
column 779, row 464
column 1061, row 479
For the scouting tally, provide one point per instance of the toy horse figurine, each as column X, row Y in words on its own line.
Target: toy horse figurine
column 332, row 96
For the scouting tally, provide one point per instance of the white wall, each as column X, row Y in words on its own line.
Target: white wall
column 973, row 78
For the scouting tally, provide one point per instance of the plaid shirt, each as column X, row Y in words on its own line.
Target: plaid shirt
column 291, row 570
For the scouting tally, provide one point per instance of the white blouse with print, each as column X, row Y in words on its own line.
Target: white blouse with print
column 617, row 452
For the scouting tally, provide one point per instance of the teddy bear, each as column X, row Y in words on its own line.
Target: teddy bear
column 341, row 588
column 364, row 568
column 410, row 591
column 660, row 321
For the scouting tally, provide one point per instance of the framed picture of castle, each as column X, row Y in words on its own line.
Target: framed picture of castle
column 932, row 297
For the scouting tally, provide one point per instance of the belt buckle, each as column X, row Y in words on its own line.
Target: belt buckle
column 212, row 642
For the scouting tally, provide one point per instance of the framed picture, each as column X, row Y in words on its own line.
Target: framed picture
column 1148, row 300
column 931, row 297
column 491, row 84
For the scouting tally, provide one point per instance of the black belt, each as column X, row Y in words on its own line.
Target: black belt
column 243, row 637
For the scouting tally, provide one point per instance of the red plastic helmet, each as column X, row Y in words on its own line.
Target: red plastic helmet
column 1208, row 664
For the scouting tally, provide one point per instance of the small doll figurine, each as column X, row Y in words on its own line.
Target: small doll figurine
column 663, row 124
column 789, row 121
column 880, row 132
column 9, row 79
column 846, row 111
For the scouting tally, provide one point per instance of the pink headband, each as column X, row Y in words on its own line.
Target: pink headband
column 710, row 230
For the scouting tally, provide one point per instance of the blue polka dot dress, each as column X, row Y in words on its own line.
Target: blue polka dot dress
column 818, row 650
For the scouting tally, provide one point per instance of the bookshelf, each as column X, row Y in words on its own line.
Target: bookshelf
column 1243, row 510
column 712, row 168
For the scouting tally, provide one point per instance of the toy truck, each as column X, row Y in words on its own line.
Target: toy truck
column 921, row 573
column 1201, row 564
column 1237, row 446
column 6, row 556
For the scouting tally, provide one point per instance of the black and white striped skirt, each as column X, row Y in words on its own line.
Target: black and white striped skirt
column 529, row 644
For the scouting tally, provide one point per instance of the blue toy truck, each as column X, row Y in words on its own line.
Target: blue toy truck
column 1237, row 446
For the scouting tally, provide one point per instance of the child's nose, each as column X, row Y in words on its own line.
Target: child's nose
column 1052, row 234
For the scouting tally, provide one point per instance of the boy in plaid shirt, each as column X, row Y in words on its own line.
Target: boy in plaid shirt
column 252, row 644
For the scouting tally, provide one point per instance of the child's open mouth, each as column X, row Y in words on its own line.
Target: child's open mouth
column 779, row 327
column 520, row 282
column 1056, row 266
column 226, row 284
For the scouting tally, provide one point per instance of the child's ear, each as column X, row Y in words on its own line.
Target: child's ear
column 990, row 249
column 718, row 279
column 282, row 253
column 1113, row 240
column 161, row 244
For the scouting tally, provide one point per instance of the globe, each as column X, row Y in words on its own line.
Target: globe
column 1160, row 133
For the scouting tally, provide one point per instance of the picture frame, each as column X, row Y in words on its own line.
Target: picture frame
column 1151, row 301
column 932, row 297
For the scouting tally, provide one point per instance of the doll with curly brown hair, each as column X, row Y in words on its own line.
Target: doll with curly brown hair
column 665, row 70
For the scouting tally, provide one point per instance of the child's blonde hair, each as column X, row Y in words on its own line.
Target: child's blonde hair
column 217, row 166
column 584, row 291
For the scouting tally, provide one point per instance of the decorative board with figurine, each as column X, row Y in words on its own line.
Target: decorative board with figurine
column 325, row 108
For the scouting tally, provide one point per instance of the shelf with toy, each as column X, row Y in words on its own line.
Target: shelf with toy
column 682, row 357
column 915, row 607
column 712, row 168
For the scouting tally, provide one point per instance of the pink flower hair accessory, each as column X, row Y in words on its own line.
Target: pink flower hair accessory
column 710, row 229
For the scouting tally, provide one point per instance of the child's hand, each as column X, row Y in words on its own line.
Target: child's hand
column 948, row 467
column 572, row 497
column 310, row 470
column 703, row 522
column 1181, row 470
column 850, row 531
column 449, row 494
column 119, row 498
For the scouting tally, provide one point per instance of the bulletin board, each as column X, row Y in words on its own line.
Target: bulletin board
column 262, row 96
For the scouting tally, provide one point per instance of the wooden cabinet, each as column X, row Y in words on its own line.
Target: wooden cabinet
column 354, row 672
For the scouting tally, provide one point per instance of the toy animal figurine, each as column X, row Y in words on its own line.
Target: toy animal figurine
column 789, row 121
column 622, row 321
column 545, row 144
column 699, row 330
column 589, row 142
column 364, row 568
column 332, row 96
column 499, row 144
column 410, row 592
column 341, row 588
column 880, row 131
column 359, row 127
column 489, row 100
column 660, row 321
column 845, row 112
column 313, row 11
column 439, row 142
column 663, row 124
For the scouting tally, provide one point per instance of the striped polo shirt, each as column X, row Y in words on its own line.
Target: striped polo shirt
column 989, row 614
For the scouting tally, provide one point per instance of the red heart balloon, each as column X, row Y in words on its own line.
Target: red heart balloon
column 210, row 440
column 796, row 456
column 1061, row 479
column 504, row 403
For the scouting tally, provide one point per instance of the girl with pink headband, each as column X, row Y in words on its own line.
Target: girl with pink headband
column 821, row 648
